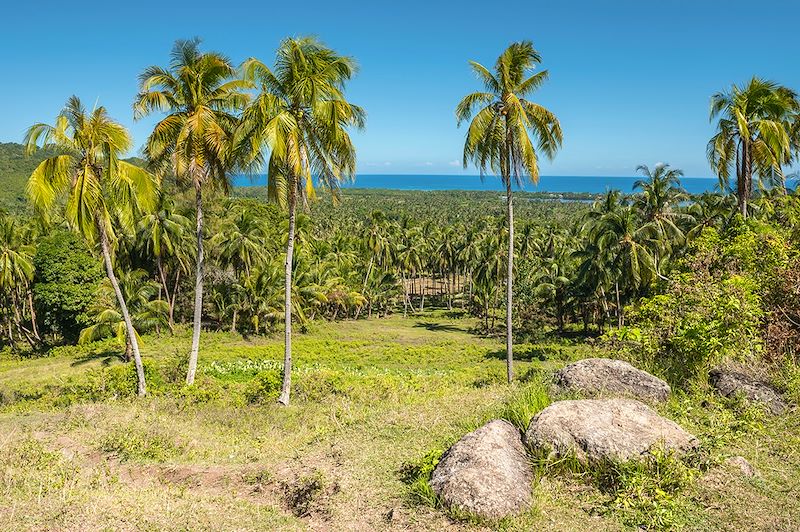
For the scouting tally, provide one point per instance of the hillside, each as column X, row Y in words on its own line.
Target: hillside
column 16, row 167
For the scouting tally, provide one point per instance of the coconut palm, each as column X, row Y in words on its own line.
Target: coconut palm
column 657, row 202
column 623, row 241
column 300, row 116
column 194, row 142
column 103, row 193
column 162, row 234
column 755, row 134
column 503, row 129
column 147, row 311
column 16, row 273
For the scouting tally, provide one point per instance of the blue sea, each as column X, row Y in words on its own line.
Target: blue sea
column 589, row 184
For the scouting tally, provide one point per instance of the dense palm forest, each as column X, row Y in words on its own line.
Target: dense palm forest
column 175, row 247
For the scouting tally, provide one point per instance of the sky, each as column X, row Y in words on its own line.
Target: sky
column 630, row 81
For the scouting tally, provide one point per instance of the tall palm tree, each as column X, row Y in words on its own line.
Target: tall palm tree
column 16, row 273
column 300, row 116
column 657, row 202
column 162, row 233
column 103, row 192
column 147, row 311
column 500, row 139
column 623, row 241
column 200, row 95
column 755, row 134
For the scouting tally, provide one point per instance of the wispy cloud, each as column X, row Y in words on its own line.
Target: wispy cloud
column 454, row 163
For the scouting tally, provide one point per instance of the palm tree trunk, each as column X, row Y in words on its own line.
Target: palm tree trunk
column 174, row 296
column 162, row 275
column 620, row 319
column 509, row 284
column 743, row 180
column 198, row 286
column 33, row 317
column 126, row 317
column 287, row 294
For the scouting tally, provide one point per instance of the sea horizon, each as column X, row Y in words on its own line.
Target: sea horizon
column 443, row 182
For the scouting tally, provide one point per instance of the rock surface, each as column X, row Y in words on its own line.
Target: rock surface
column 486, row 473
column 599, row 429
column 729, row 383
column 744, row 467
column 598, row 375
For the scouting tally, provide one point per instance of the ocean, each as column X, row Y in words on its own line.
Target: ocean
column 587, row 184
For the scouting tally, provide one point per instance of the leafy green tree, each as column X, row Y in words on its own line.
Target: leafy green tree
column 301, row 116
column 503, row 128
column 200, row 95
column 755, row 134
column 103, row 192
column 66, row 279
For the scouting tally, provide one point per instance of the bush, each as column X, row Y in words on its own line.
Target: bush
column 265, row 387
column 417, row 476
column 524, row 403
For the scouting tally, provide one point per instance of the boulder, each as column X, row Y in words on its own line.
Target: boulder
column 744, row 467
column 604, row 375
column 730, row 383
column 605, row 429
column 485, row 473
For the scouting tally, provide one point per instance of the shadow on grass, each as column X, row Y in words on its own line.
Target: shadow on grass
column 105, row 357
column 440, row 327
column 528, row 353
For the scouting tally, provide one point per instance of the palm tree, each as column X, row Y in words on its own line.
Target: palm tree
column 499, row 138
column 162, row 234
column 657, row 202
column 194, row 142
column 147, row 311
column 16, row 273
column 622, row 240
column 103, row 192
column 754, row 134
column 301, row 116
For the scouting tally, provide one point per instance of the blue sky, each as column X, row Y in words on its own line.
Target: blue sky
column 629, row 80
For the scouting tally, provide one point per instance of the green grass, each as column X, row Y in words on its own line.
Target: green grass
column 375, row 403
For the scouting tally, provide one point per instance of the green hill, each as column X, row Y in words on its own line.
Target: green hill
column 16, row 167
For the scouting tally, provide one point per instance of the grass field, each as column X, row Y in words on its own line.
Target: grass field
column 372, row 398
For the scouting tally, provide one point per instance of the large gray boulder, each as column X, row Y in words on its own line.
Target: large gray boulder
column 730, row 383
column 485, row 473
column 596, row 376
column 605, row 429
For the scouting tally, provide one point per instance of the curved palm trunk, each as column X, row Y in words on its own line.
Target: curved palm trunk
column 133, row 342
column 509, row 283
column 198, row 288
column 286, row 386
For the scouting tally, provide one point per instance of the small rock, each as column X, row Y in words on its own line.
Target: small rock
column 600, row 429
column 742, row 465
column 598, row 375
column 729, row 383
column 486, row 472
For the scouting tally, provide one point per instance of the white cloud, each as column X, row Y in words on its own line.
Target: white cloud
column 454, row 163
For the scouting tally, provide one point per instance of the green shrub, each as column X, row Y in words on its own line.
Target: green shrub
column 524, row 403
column 265, row 387
column 417, row 475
